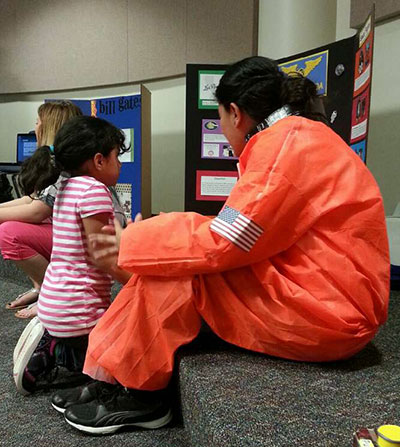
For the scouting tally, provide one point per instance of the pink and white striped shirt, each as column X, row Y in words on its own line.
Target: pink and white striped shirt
column 75, row 293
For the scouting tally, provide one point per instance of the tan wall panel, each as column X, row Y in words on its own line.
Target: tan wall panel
column 50, row 45
column 221, row 31
column 146, row 151
column 8, row 47
column 156, row 38
column 67, row 44
column 384, row 9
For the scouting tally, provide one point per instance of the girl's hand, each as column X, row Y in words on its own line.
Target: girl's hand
column 104, row 246
column 110, row 238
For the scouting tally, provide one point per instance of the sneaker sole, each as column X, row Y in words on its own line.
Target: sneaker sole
column 157, row 423
column 24, row 336
column 59, row 409
column 28, row 347
column 90, row 384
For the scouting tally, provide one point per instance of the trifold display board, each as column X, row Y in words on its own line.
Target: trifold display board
column 342, row 72
column 132, row 115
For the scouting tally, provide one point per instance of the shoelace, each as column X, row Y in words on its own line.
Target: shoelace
column 107, row 393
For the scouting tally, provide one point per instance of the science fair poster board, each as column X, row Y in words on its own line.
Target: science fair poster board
column 342, row 73
column 132, row 115
column 210, row 166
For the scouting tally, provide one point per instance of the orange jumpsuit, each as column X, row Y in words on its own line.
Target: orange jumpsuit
column 307, row 280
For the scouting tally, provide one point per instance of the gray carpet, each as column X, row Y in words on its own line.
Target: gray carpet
column 31, row 421
column 230, row 397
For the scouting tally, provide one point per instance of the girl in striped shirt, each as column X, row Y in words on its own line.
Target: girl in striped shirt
column 75, row 293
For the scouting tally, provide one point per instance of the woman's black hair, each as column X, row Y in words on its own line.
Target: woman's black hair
column 257, row 86
column 78, row 140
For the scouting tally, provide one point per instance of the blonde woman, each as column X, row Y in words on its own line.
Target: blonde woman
column 25, row 223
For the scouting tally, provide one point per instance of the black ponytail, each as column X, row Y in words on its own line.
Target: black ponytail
column 38, row 172
column 257, row 86
column 300, row 93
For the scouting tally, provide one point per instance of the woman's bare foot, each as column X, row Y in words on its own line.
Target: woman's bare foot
column 28, row 312
column 23, row 300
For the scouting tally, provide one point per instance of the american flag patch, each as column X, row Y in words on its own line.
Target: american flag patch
column 240, row 230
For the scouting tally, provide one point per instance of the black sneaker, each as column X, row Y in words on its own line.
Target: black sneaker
column 40, row 365
column 63, row 399
column 119, row 407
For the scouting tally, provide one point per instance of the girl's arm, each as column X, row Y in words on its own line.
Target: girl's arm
column 92, row 226
column 34, row 211
column 16, row 202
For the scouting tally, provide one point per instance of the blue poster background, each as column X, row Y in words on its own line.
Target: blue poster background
column 359, row 149
column 125, row 113
column 83, row 104
column 313, row 66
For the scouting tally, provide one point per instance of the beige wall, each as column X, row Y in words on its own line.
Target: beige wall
column 383, row 156
column 291, row 26
column 70, row 44
column 343, row 29
column 384, row 10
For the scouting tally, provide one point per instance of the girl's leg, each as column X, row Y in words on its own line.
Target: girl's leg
column 133, row 346
column 42, row 353
column 135, row 343
column 70, row 352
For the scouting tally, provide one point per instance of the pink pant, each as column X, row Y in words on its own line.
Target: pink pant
column 21, row 240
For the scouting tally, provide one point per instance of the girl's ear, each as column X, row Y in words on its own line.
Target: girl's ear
column 98, row 161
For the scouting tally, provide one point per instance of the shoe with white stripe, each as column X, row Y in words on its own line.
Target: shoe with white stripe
column 35, row 360
column 24, row 350
column 20, row 346
column 117, row 407
column 63, row 399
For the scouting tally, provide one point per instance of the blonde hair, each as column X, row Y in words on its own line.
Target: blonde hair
column 52, row 116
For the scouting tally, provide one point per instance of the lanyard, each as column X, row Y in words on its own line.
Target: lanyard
column 279, row 114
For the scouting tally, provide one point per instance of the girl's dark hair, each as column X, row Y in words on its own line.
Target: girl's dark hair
column 78, row 140
column 257, row 86
column 38, row 168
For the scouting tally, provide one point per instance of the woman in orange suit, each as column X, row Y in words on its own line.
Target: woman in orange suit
column 295, row 265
